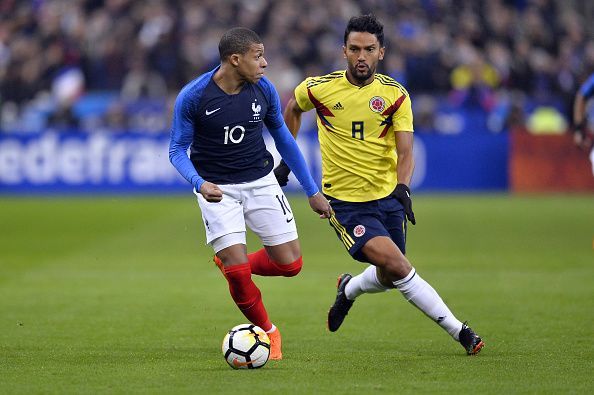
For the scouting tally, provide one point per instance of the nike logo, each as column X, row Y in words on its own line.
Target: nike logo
column 238, row 364
column 213, row 111
column 289, row 220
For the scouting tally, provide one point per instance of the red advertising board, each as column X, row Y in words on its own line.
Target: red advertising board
column 548, row 163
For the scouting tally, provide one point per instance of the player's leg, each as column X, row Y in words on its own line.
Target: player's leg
column 355, row 224
column 386, row 219
column 371, row 280
column 376, row 233
column 282, row 260
column 386, row 253
column 269, row 215
column 394, row 268
column 279, row 257
column 226, row 234
column 415, row 289
column 243, row 290
column 277, row 260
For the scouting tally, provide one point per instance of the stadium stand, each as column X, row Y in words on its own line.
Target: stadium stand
column 116, row 64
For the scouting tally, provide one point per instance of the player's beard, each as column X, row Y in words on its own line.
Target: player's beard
column 362, row 76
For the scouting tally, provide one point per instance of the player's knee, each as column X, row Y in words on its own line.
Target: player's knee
column 397, row 268
column 293, row 268
column 384, row 278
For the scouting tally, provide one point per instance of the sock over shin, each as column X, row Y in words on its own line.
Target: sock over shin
column 262, row 265
column 246, row 295
column 364, row 283
column 418, row 292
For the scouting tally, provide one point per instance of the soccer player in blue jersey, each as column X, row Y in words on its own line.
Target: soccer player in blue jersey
column 220, row 115
column 365, row 129
column 581, row 136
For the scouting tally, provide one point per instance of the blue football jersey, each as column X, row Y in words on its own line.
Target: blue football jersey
column 225, row 131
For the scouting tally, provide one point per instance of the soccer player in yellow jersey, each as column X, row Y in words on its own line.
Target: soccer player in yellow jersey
column 365, row 129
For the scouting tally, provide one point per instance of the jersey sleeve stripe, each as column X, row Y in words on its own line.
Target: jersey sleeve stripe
column 323, row 79
column 394, row 107
column 385, row 80
column 321, row 110
column 389, row 112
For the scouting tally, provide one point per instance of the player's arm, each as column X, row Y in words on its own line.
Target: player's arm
column 404, row 170
column 181, row 138
column 403, row 134
column 406, row 163
column 287, row 147
column 579, row 112
column 579, row 119
column 292, row 116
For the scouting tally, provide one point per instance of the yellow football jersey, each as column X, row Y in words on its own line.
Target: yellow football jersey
column 356, row 132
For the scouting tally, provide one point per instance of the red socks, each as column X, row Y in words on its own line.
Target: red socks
column 246, row 295
column 262, row 265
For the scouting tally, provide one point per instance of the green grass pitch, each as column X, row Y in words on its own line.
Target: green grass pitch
column 119, row 295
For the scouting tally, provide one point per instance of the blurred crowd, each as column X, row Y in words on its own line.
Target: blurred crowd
column 118, row 64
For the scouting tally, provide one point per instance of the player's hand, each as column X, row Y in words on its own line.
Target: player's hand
column 402, row 193
column 211, row 192
column 321, row 205
column 578, row 135
column 581, row 138
column 281, row 172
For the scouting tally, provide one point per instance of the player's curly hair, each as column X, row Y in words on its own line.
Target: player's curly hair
column 365, row 23
column 237, row 40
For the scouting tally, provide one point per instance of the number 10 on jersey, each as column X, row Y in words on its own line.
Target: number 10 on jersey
column 234, row 135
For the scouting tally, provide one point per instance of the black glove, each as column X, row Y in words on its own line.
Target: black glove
column 402, row 193
column 281, row 172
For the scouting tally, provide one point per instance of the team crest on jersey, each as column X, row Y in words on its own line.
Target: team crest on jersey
column 377, row 104
column 256, row 108
column 359, row 231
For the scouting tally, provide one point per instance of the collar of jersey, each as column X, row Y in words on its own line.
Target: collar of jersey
column 350, row 85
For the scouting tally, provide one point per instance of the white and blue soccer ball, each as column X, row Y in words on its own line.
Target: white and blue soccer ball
column 246, row 346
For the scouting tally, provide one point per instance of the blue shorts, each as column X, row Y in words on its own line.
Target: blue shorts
column 356, row 223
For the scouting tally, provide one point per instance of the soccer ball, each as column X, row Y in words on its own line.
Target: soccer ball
column 246, row 346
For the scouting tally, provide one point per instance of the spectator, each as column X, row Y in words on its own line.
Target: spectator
column 140, row 82
column 540, row 48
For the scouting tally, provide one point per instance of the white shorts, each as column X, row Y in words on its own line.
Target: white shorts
column 261, row 204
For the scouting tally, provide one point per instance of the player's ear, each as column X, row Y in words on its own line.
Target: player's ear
column 382, row 51
column 234, row 60
column 344, row 55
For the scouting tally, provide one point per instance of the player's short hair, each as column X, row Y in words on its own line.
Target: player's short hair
column 365, row 24
column 237, row 41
